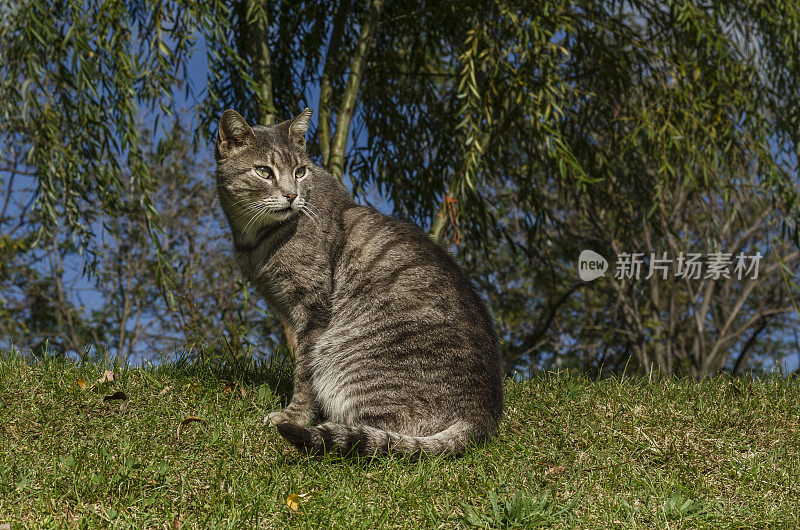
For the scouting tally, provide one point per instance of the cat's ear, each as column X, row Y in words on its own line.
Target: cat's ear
column 234, row 133
column 299, row 126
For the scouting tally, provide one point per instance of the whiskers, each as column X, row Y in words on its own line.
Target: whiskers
column 309, row 212
column 241, row 212
column 251, row 212
column 260, row 213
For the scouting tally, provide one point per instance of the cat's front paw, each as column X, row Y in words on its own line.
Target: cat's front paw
column 283, row 416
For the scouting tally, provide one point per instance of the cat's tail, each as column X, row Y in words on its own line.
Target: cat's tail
column 369, row 441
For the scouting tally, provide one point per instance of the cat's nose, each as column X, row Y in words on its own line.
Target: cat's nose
column 291, row 197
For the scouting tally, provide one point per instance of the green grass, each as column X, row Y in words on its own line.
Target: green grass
column 571, row 452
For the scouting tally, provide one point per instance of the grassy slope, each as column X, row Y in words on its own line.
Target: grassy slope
column 570, row 453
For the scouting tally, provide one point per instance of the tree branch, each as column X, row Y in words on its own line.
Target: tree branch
column 326, row 86
column 18, row 171
column 347, row 107
column 8, row 196
column 535, row 339
column 256, row 25
column 747, row 345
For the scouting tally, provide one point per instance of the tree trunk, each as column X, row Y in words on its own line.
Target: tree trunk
column 326, row 86
column 344, row 114
column 256, row 22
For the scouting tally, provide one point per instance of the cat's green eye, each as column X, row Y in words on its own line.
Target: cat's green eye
column 264, row 171
column 300, row 172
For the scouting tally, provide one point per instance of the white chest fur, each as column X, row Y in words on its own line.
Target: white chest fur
column 328, row 379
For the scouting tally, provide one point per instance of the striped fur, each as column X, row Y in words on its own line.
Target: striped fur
column 396, row 352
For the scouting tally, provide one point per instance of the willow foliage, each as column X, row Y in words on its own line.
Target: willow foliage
column 483, row 121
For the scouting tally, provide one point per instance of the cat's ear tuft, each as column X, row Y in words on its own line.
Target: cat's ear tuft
column 234, row 133
column 299, row 126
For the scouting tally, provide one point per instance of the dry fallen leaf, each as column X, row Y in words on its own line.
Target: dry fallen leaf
column 107, row 377
column 119, row 394
column 293, row 502
column 187, row 421
column 555, row 470
column 177, row 523
column 5, row 526
column 229, row 387
column 83, row 384
column 164, row 391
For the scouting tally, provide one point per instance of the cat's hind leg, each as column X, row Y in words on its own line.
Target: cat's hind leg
column 301, row 408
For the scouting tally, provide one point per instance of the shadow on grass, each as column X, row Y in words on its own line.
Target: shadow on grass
column 276, row 374
column 364, row 463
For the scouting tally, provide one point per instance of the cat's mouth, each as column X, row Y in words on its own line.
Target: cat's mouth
column 286, row 211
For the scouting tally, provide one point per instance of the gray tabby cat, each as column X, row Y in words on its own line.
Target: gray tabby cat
column 395, row 350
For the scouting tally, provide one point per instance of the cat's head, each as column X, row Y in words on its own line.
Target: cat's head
column 263, row 173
